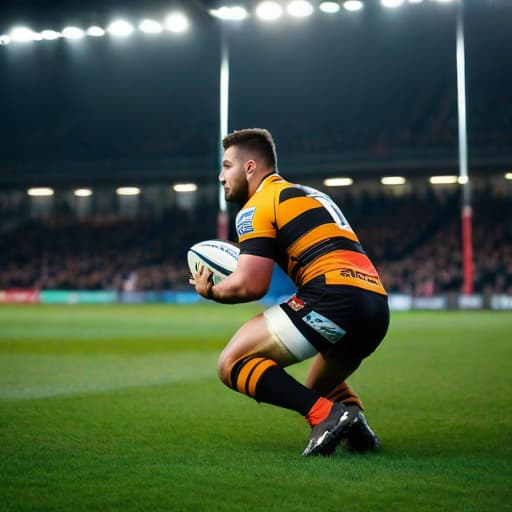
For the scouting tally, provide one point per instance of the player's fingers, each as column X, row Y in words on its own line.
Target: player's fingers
column 204, row 273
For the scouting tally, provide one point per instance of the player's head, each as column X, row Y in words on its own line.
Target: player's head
column 248, row 155
column 254, row 143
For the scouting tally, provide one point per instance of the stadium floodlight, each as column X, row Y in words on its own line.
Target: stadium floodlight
column 50, row 35
column 73, row 33
column 443, row 180
column 150, row 27
column 128, row 191
column 299, row 9
column 508, row 175
column 120, row 28
column 176, row 22
column 338, row 182
column 83, row 192
column 353, row 5
column 415, row 1
column 392, row 180
column 22, row 35
column 95, row 31
column 230, row 13
column 184, row 187
column 391, row 4
column 5, row 39
column 330, row 7
column 269, row 11
column 40, row 191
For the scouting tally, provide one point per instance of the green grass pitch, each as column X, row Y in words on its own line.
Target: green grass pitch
column 119, row 408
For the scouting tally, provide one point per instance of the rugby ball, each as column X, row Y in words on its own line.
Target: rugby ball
column 218, row 256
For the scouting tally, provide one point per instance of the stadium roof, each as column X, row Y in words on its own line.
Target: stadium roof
column 371, row 91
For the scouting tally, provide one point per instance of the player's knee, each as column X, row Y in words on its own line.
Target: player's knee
column 223, row 369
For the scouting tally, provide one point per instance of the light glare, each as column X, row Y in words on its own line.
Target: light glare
column 330, row 7
column 40, row 191
column 443, row 180
column 233, row 13
column 22, row 35
column 508, row 175
column 393, row 180
column 185, row 187
column 95, row 31
column 73, row 33
column 150, row 27
column 5, row 39
column 83, row 192
column 391, row 4
column 50, row 35
column 269, row 11
column 120, row 28
column 128, row 191
column 338, row 182
column 176, row 22
column 299, row 8
column 353, row 5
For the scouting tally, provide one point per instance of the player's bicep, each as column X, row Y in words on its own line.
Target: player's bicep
column 256, row 270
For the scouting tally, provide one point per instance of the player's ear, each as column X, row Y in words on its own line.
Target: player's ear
column 250, row 167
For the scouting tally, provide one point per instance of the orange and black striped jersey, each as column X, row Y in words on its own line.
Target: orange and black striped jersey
column 306, row 233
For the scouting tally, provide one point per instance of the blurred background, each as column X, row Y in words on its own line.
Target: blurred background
column 112, row 113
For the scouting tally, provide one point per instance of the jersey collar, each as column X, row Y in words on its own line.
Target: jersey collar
column 270, row 177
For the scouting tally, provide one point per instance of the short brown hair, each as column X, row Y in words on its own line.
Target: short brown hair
column 258, row 140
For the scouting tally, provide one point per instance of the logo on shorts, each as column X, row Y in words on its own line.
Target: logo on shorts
column 329, row 330
column 244, row 221
column 295, row 303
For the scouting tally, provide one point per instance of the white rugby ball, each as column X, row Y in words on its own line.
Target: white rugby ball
column 218, row 256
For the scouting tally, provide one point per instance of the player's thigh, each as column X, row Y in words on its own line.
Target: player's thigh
column 253, row 338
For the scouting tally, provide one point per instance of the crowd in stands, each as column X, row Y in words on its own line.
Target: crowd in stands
column 427, row 256
column 414, row 241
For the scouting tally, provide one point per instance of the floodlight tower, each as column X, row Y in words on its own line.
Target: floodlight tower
column 466, row 217
column 222, row 219
column 224, row 15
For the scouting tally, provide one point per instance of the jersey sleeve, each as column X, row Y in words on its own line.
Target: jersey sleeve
column 256, row 227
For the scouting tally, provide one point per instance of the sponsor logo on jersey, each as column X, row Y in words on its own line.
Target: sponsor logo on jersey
column 329, row 330
column 295, row 303
column 244, row 221
column 348, row 272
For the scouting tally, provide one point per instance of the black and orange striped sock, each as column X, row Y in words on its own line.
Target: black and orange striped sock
column 265, row 381
column 343, row 393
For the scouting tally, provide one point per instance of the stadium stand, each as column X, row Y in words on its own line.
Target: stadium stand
column 414, row 240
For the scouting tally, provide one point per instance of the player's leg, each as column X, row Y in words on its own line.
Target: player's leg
column 327, row 376
column 253, row 363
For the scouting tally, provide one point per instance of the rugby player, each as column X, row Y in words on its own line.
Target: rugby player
column 339, row 314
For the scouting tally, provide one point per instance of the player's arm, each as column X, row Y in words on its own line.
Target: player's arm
column 250, row 281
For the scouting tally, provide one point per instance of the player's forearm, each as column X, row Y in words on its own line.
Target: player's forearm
column 235, row 289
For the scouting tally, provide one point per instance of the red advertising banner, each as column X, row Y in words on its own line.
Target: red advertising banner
column 21, row 296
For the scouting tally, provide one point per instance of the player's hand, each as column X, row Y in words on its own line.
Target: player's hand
column 202, row 280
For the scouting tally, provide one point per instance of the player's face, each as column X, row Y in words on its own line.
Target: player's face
column 233, row 177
